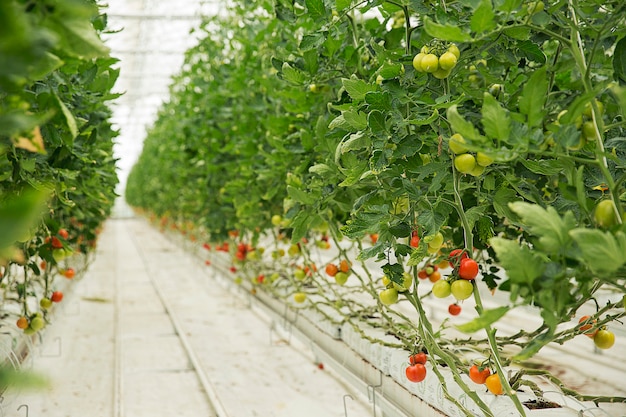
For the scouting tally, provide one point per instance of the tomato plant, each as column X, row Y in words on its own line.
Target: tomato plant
column 492, row 128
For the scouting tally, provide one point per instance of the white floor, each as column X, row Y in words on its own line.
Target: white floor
column 128, row 338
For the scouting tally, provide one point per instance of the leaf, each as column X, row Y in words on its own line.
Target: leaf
column 462, row 126
column 378, row 100
column 356, row 119
column 312, row 41
column 546, row 167
column 322, row 170
column 486, row 319
column 342, row 4
column 394, row 272
column 445, row 32
column 533, row 98
column 293, row 75
column 316, row 8
column 531, row 51
column 18, row 214
column 356, row 88
column 375, row 250
column 601, row 251
column 301, row 196
column 32, row 144
column 284, row 12
column 496, row 120
column 521, row 264
column 376, row 122
column 535, row 345
column 483, row 17
column 69, row 119
column 546, row 224
column 619, row 61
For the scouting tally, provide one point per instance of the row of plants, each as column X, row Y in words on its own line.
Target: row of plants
column 483, row 137
column 57, row 170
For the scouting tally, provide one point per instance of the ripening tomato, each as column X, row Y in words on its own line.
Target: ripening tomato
column 416, row 373
column 468, row 269
column 435, row 276
column 64, row 233
column 587, row 327
column 331, row 270
column 344, row 265
column 22, row 323
column 69, row 273
column 56, row 243
column 456, row 256
column 494, row 385
column 477, row 375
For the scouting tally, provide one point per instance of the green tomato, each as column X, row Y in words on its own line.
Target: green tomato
column 37, row 323
column 299, row 274
column 589, row 130
column 461, row 289
column 589, row 108
column 45, row 303
column 341, row 277
column 441, row 73
column 483, row 159
column 477, row 171
column 277, row 219
column 435, row 241
column 59, row 255
column 453, row 49
column 465, row 163
column 447, row 60
column 299, row 297
column 605, row 213
column 389, row 296
column 457, row 144
column 603, row 339
column 417, row 62
column 441, row 288
column 430, row 63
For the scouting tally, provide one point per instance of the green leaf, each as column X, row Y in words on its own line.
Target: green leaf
column 462, row 126
column 543, row 166
column 342, row 4
column 445, row 32
column 72, row 21
column 355, row 142
column 483, row 17
column 292, row 75
column 394, row 272
column 619, row 61
column 18, row 214
column 356, row 119
column 531, row 51
column 496, row 120
column 521, row 264
column 546, row 224
column 69, row 119
column 301, row 196
column 376, row 122
column 316, row 8
column 533, row 98
column 356, row 88
column 390, row 70
column 371, row 252
column 378, row 100
column 535, row 345
column 601, row 251
column 486, row 319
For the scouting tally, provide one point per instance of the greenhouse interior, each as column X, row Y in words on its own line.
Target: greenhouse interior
column 313, row 208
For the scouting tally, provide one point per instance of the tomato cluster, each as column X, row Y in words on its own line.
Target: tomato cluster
column 340, row 273
column 440, row 66
column 466, row 162
column 602, row 337
column 416, row 371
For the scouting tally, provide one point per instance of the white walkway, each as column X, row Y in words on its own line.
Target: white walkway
column 147, row 333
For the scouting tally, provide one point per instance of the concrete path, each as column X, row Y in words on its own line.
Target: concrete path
column 146, row 332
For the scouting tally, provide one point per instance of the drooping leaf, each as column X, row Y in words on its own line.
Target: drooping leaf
column 546, row 224
column 521, row 264
column 603, row 252
column 486, row 319
column 483, row 18
column 445, row 32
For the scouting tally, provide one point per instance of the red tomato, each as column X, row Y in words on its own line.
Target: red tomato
column 468, row 269
column 56, row 296
column 344, row 266
column 56, row 243
column 477, row 375
column 331, row 270
column 415, row 241
column 416, row 373
column 456, row 256
column 454, row 309
column 418, row 358
column 63, row 233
